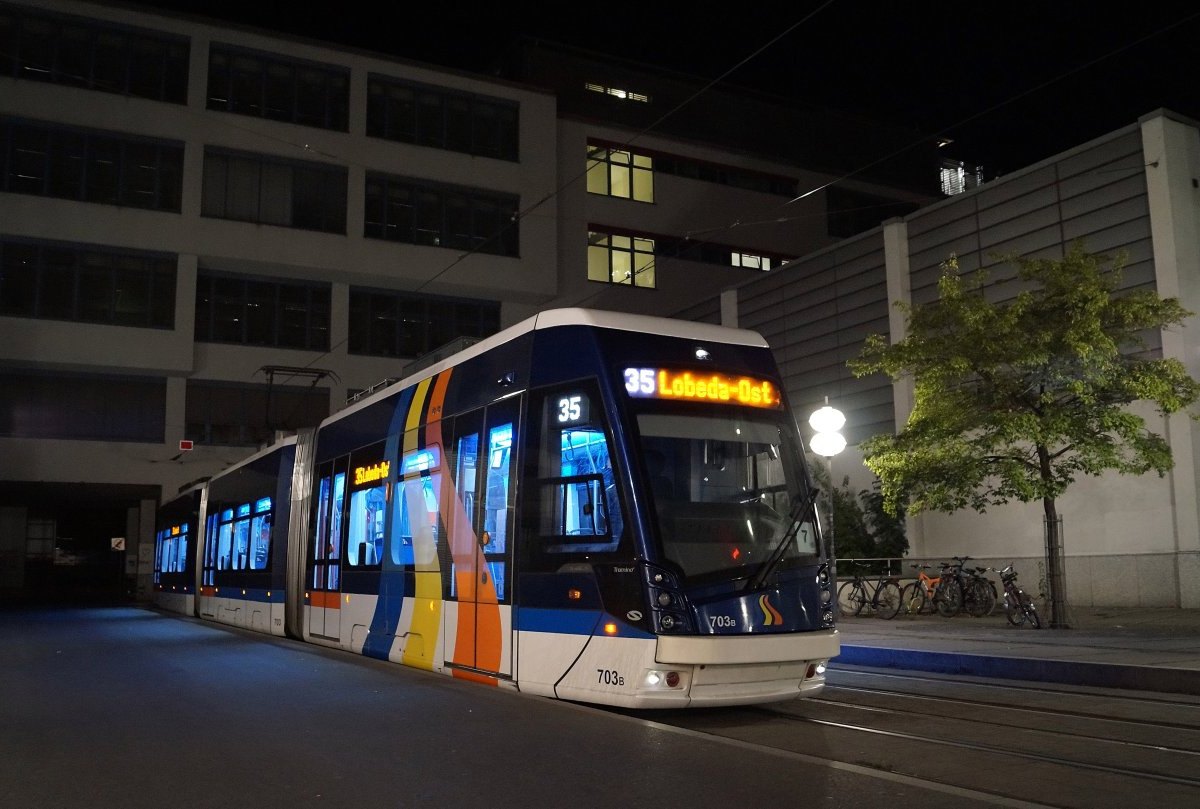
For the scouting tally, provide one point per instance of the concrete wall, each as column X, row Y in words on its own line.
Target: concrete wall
column 1129, row 541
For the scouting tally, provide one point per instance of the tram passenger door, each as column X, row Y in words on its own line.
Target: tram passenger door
column 325, row 552
column 482, row 554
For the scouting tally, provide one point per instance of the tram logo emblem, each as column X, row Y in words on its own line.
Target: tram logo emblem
column 771, row 616
column 634, row 615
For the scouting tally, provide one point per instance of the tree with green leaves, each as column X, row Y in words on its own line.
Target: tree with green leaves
column 1015, row 400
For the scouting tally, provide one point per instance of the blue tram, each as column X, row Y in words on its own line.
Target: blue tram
column 589, row 505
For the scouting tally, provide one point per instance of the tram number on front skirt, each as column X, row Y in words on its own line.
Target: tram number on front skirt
column 718, row 621
column 609, row 677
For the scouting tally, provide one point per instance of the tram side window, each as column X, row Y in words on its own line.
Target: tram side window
column 368, row 506
column 260, row 535
column 241, row 537
column 164, row 553
column 578, row 504
column 225, row 540
column 416, row 507
column 158, row 551
column 181, row 549
column 368, row 509
column 171, row 553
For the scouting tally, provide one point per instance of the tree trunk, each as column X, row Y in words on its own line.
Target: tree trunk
column 1055, row 580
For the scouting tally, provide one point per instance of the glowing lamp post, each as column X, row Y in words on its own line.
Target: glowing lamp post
column 827, row 442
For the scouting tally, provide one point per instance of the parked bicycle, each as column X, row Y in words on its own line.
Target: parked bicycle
column 917, row 597
column 1018, row 604
column 979, row 593
column 882, row 595
column 965, row 590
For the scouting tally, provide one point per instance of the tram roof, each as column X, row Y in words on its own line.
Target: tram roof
column 559, row 318
column 644, row 324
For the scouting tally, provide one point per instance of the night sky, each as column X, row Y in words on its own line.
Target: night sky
column 1012, row 82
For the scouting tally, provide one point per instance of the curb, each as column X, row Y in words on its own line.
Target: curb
column 1100, row 675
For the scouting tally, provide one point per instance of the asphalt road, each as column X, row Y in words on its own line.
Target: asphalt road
column 127, row 707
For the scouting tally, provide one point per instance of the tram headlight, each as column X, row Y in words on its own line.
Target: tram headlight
column 826, row 596
column 667, row 622
column 663, row 679
column 664, row 599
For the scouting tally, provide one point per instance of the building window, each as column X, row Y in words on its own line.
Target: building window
column 618, row 259
column 619, row 173
column 956, row 178
column 251, row 311
column 256, row 188
column 622, row 171
column 269, row 86
column 617, row 92
column 414, row 212
column 750, row 261
column 91, row 166
column 78, row 52
column 237, row 415
column 392, row 324
column 443, row 119
column 622, row 257
column 87, row 284
column 82, row 407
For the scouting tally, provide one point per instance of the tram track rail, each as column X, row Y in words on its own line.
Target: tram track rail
column 1073, row 763
column 999, row 706
column 1133, row 697
column 1083, row 748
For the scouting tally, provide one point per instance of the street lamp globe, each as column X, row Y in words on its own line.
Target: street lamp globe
column 827, row 444
column 827, row 439
column 828, row 420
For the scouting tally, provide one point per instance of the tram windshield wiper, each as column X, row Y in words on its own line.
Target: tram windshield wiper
column 799, row 511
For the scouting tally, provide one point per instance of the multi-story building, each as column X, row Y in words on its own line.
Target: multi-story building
column 209, row 234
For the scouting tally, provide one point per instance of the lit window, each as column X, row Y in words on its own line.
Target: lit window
column 616, row 92
column 616, row 259
column 751, row 262
column 620, row 173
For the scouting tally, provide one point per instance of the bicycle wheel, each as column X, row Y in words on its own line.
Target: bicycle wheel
column 852, row 597
column 887, row 600
column 948, row 598
column 913, row 598
column 1013, row 610
column 1030, row 610
column 977, row 598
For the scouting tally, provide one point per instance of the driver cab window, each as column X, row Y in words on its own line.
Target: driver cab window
column 577, row 501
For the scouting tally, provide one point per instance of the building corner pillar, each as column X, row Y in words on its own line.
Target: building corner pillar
column 1171, row 154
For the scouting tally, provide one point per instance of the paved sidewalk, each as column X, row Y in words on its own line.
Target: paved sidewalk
column 1152, row 649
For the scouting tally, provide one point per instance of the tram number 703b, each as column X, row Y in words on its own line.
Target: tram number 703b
column 609, row 677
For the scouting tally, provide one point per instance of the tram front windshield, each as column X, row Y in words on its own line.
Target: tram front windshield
column 724, row 487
